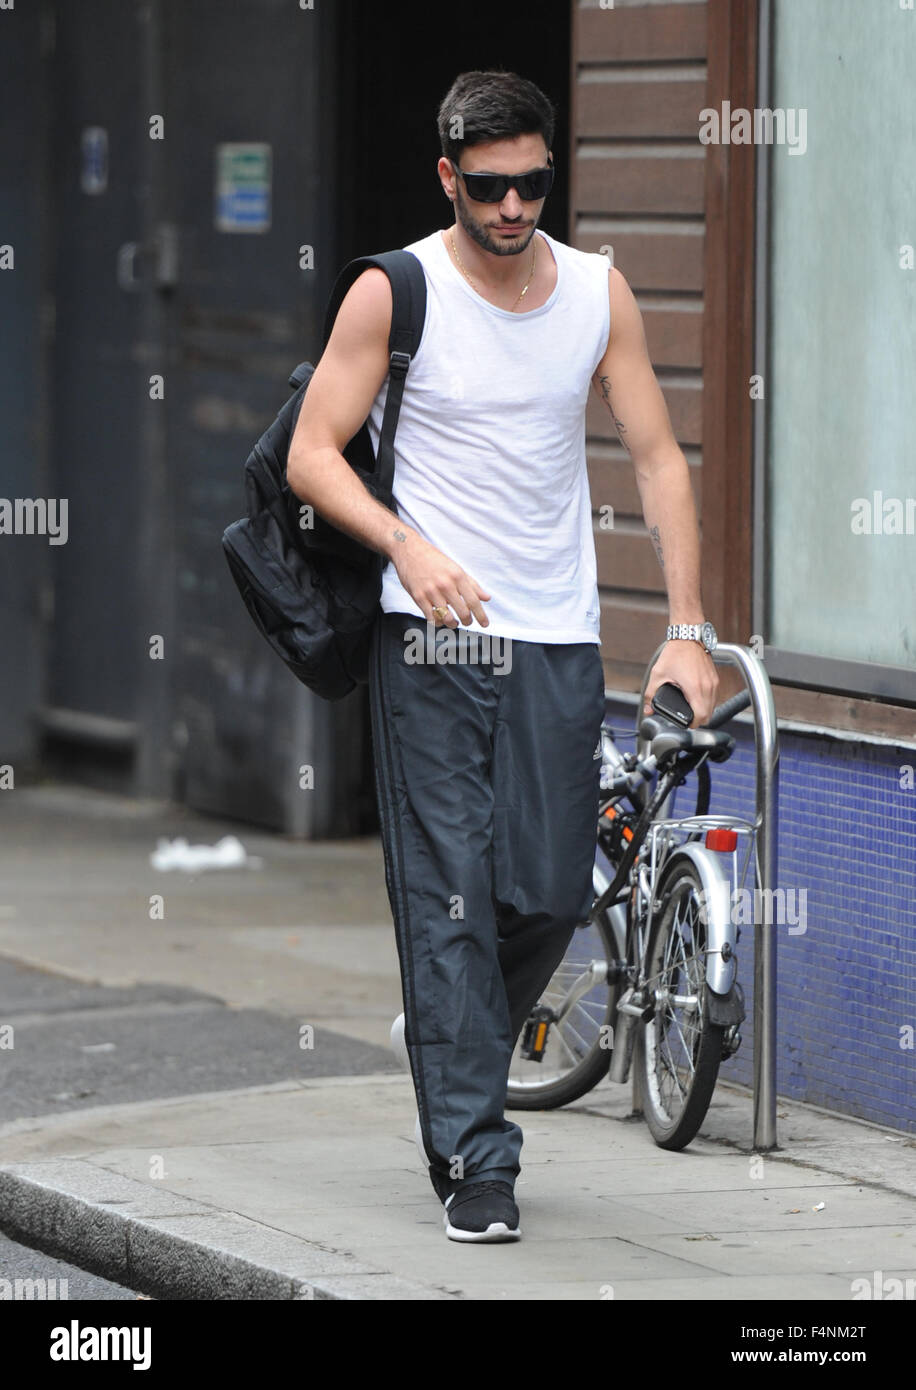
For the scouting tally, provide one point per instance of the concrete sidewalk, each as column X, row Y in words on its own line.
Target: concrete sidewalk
column 313, row 1189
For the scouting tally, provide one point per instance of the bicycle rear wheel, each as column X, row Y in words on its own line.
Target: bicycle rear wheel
column 678, row 1051
column 578, row 1050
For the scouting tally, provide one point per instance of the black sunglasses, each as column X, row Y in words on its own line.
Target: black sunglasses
column 492, row 188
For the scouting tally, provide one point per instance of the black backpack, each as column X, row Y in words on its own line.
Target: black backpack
column 312, row 590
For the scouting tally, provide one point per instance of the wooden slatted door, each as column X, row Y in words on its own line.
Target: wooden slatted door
column 638, row 186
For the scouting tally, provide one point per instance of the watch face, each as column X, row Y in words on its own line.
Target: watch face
column 708, row 637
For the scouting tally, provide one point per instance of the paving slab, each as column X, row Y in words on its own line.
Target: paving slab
column 313, row 1189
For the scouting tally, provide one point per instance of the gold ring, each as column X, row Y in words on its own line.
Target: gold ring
column 440, row 612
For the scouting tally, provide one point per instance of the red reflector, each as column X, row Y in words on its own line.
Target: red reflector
column 721, row 839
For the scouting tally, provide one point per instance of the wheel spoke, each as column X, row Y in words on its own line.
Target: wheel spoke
column 676, row 940
column 680, row 1034
column 559, row 1034
column 674, row 1037
column 572, row 1043
column 669, row 1066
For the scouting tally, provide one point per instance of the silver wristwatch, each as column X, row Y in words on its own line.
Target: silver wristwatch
column 704, row 633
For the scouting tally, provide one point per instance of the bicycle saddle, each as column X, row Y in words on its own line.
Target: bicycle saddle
column 667, row 739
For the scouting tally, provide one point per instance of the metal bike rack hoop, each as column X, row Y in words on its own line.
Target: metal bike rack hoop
column 767, row 798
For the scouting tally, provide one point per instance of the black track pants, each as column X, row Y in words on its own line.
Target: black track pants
column 488, row 788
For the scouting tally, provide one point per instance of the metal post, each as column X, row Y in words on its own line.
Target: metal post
column 767, row 783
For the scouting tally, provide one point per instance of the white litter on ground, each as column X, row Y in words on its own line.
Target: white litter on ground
column 227, row 853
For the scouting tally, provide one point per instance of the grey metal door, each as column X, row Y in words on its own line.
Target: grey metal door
column 195, row 146
column 248, row 188
column 96, row 372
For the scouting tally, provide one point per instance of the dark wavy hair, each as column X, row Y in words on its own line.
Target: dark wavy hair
column 493, row 105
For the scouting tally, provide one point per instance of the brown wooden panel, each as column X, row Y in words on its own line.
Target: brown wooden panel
column 612, row 480
column 654, row 32
column 674, row 336
column 804, row 706
column 627, row 196
column 651, row 259
column 646, row 183
column 685, row 406
column 729, row 328
column 617, row 110
column 844, row 712
column 626, row 560
column 621, row 675
column 632, row 629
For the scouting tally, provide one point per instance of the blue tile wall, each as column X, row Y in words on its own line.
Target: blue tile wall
column 846, row 986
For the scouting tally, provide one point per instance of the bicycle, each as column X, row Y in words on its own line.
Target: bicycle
column 650, row 979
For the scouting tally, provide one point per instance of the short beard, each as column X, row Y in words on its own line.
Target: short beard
column 496, row 245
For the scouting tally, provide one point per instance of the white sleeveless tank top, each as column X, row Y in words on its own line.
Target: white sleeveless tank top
column 490, row 460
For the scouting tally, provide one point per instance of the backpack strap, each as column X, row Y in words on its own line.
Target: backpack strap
column 300, row 374
column 408, row 315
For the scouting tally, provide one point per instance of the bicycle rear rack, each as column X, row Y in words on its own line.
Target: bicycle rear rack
column 766, row 742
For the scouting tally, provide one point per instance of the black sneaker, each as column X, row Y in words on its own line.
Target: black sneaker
column 482, row 1211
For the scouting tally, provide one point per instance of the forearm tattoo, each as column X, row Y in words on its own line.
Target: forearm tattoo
column 656, row 541
column 605, row 384
column 400, row 535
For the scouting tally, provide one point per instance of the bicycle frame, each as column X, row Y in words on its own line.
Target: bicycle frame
column 659, row 846
column 766, row 743
column 719, row 887
column 653, row 917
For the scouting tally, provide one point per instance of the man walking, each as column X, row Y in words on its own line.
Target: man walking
column 486, row 770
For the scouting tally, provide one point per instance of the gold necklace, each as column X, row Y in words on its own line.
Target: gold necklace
column 467, row 277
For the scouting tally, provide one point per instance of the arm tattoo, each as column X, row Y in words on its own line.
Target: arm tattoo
column 605, row 385
column 400, row 535
column 656, row 541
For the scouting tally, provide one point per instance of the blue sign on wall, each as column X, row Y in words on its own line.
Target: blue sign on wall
column 94, row 159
